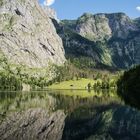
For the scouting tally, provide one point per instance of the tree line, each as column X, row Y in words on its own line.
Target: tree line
column 129, row 86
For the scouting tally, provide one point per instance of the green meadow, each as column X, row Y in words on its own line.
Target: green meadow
column 73, row 84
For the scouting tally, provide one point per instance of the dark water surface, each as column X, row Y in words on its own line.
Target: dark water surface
column 67, row 100
column 89, row 115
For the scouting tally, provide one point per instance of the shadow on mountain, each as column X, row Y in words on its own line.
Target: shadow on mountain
column 83, row 50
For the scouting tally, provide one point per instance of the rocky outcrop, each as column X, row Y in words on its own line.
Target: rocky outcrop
column 50, row 12
column 116, row 34
column 27, row 35
column 82, row 49
column 104, row 26
column 33, row 124
column 121, row 25
column 93, row 27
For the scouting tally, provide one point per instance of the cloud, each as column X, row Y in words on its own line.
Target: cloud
column 138, row 8
column 48, row 2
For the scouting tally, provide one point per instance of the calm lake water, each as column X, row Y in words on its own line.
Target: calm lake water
column 67, row 100
column 82, row 108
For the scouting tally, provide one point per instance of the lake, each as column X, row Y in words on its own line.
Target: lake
column 67, row 115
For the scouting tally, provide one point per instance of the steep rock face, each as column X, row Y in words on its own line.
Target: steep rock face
column 27, row 35
column 93, row 27
column 121, row 25
column 125, row 52
column 50, row 12
column 104, row 26
column 116, row 34
column 81, row 49
column 33, row 124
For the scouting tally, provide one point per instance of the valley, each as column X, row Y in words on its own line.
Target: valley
column 68, row 79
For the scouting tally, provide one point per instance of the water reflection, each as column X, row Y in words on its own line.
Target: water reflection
column 18, row 101
column 90, row 115
column 130, row 97
column 66, row 100
column 70, row 100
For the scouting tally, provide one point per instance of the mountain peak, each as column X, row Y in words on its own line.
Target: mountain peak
column 50, row 12
column 84, row 17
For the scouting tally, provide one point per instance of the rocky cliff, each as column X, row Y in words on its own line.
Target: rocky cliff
column 104, row 26
column 80, row 49
column 116, row 34
column 51, row 13
column 27, row 35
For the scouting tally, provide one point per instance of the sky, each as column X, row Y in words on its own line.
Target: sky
column 72, row 9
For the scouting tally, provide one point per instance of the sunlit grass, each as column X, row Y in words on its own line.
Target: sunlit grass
column 73, row 84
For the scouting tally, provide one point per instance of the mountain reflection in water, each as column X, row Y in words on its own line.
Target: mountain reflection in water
column 90, row 115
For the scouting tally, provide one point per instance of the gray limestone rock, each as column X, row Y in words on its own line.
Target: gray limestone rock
column 27, row 35
column 116, row 34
